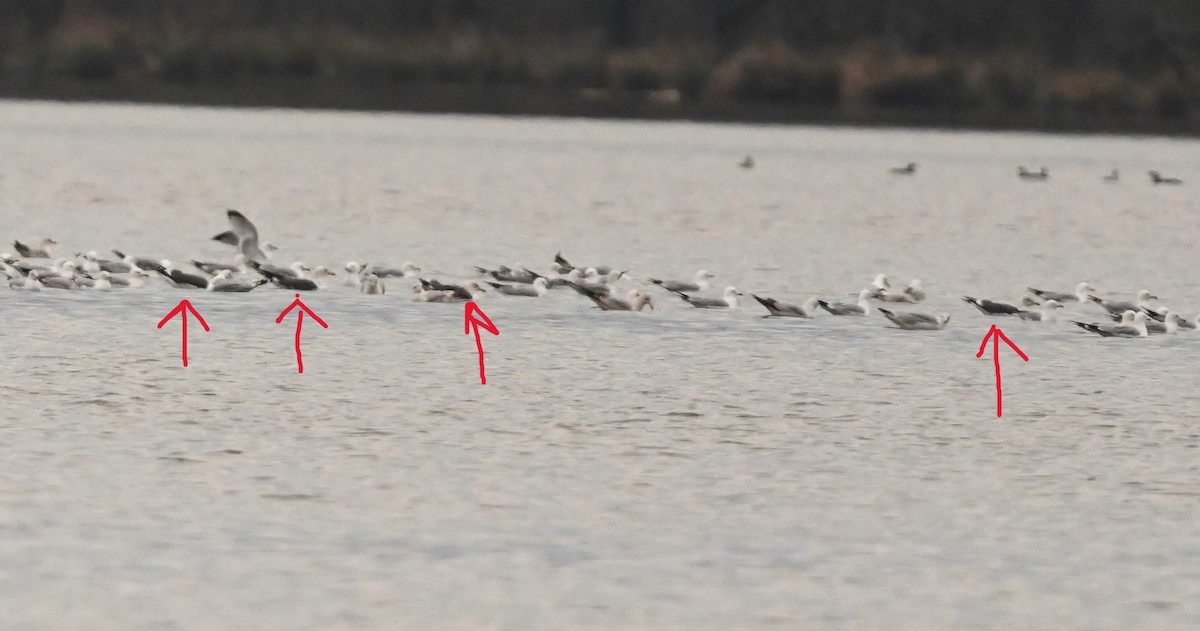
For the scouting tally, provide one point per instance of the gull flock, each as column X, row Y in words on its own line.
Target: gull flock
column 34, row 268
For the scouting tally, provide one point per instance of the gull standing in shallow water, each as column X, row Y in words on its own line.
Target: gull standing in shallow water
column 783, row 309
column 847, row 309
column 917, row 321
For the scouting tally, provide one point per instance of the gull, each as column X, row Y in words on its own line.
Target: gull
column 135, row 278
column 371, row 285
column 231, row 238
column 1026, row 174
column 247, row 236
column 561, row 265
column 849, row 309
column 915, row 290
column 571, row 278
column 1170, row 324
column 93, row 264
column 1118, row 306
column 299, row 283
column 467, row 291
column 224, row 282
column 514, row 274
column 59, row 282
column 407, row 269
column 1184, row 323
column 1157, row 178
column 28, row 283
column 1132, row 325
column 104, row 283
column 747, row 162
column 989, row 307
column 1082, row 291
column 214, row 268
column 180, row 278
column 534, row 290
column 917, row 321
column 137, row 261
column 700, row 284
column 433, row 295
column 728, row 300
column 1046, row 315
column 355, row 272
column 908, row 169
column 42, row 251
column 783, row 309
column 635, row 301
column 1112, row 177
column 887, row 296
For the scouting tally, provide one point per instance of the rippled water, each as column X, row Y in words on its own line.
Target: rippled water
column 675, row 468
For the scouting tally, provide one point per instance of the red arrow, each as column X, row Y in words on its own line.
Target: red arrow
column 182, row 310
column 299, row 323
column 472, row 320
column 995, row 334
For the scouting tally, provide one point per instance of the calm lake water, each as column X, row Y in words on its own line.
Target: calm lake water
column 676, row 468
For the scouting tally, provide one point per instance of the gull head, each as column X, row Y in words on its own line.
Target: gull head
column 409, row 268
column 474, row 288
column 881, row 281
column 1146, row 295
column 1052, row 304
column 321, row 270
column 353, row 267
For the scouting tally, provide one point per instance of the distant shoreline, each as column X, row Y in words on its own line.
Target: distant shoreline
column 450, row 98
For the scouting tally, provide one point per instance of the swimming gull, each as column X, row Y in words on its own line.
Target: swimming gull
column 1157, row 178
column 1082, row 291
column 1170, row 324
column 104, row 283
column 915, row 290
column 1045, row 315
column 224, row 282
column 1132, row 325
column 28, row 283
column 728, row 299
column 699, row 284
column 140, row 262
column 515, row 274
column 42, row 251
column 179, row 278
column 534, row 290
column 917, row 321
column 908, row 169
column 860, row 308
column 990, row 307
column 634, row 301
column 407, row 269
column 747, row 162
column 371, row 285
column 1112, row 177
column 466, row 291
column 561, row 265
column 1026, row 174
column 1119, row 306
column 783, row 309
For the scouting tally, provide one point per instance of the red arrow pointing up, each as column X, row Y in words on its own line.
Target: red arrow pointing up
column 473, row 318
column 182, row 310
column 299, row 323
column 995, row 335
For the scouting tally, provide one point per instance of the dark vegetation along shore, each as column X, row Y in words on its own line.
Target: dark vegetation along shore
column 1100, row 65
